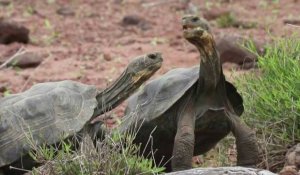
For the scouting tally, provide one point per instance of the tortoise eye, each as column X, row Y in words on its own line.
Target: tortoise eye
column 195, row 19
column 152, row 56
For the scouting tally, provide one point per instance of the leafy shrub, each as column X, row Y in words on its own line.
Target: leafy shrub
column 272, row 100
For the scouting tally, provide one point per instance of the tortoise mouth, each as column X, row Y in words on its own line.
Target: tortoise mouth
column 188, row 26
column 146, row 73
column 192, row 32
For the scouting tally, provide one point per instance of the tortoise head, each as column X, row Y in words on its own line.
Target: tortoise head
column 137, row 72
column 196, row 31
column 143, row 67
column 192, row 21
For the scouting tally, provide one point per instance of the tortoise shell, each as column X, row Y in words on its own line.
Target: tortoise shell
column 26, row 117
column 160, row 94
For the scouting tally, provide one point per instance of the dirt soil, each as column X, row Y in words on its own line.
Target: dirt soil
column 89, row 43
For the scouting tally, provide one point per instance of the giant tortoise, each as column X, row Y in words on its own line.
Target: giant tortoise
column 188, row 110
column 49, row 112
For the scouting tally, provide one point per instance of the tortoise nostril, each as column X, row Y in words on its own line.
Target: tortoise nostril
column 152, row 56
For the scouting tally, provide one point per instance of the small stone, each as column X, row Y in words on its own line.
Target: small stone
column 12, row 32
column 135, row 20
column 65, row 11
column 3, row 88
column 107, row 56
column 25, row 60
column 131, row 20
column 295, row 21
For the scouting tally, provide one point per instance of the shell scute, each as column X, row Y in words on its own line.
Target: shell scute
column 161, row 93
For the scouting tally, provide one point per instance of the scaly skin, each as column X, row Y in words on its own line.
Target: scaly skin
column 211, row 81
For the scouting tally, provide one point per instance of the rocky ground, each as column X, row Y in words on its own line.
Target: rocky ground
column 92, row 41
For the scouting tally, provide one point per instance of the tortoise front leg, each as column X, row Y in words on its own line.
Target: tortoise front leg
column 185, row 139
column 246, row 143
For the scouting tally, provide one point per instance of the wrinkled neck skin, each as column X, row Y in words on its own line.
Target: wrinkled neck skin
column 211, row 82
column 114, row 94
column 210, row 67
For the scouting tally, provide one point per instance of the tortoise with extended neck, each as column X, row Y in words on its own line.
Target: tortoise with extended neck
column 187, row 110
column 49, row 112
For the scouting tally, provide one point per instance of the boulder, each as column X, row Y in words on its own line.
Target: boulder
column 231, row 50
column 11, row 32
column 223, row 171
column 292, row 157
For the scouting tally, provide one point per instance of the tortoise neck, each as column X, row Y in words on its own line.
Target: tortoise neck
column 114, row 94
column 210, row 66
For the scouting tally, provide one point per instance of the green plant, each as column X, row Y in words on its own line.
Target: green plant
column 29, row 11
column 226, row 20
column 272, row 100
column 114, row 155
column 6, row 93
column 229, row 20
column 52, row 35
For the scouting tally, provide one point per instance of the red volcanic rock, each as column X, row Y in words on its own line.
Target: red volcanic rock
column 12, row 32
column 231, row 50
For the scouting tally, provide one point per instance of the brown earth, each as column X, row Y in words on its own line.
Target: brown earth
column 92, row 46
column 90, row 40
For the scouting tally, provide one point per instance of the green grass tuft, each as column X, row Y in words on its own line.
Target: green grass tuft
column 115, row 155
column 272, row 100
